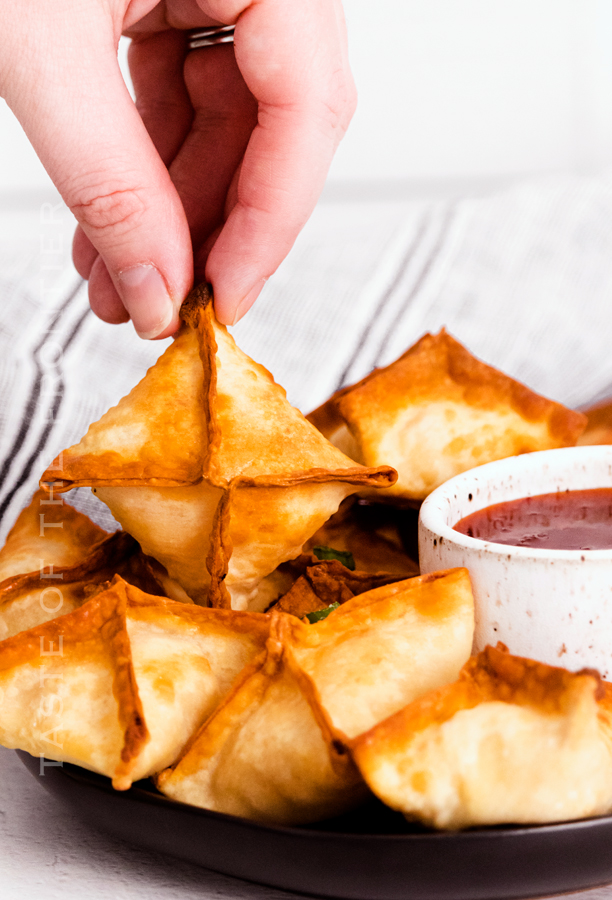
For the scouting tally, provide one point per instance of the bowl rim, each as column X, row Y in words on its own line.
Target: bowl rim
column 432, row 520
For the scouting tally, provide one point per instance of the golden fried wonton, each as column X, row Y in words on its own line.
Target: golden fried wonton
column 380, row 650
column 437, row 411
column 512, row 741
column 48, row 532
column 275, row 749
column 35, row 597
column 64, row 559
column 599, row 424
column 268, row 753
column 120, row 684
column 208, row 466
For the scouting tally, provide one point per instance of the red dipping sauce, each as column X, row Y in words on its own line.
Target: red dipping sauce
column 568, row 520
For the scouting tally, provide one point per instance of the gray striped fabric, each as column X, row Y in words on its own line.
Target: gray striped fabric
column 522, row 277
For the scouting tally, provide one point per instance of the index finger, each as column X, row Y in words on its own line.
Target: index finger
column 294, row 60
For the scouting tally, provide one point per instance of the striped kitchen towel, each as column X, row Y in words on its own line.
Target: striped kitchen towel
column 523, row 277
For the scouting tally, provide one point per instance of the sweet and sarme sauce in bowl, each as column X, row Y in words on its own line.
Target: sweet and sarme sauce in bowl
column 535, row 533
column 563, row 520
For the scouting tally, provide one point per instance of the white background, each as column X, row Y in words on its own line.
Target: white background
column 453, row 89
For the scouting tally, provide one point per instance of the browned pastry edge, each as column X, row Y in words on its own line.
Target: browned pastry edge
column 494, row 674
column 483, row 385
column 97, row 628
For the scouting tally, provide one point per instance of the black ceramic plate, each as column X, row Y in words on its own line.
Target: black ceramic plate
column 371, row 854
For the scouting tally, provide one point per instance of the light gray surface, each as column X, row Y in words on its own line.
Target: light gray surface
column 47, row 853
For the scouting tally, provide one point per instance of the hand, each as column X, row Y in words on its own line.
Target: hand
column 218, row 166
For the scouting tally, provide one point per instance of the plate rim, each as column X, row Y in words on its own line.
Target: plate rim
column 144, row 795
column 476, row 864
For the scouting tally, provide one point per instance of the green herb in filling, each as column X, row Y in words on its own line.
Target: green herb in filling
column 343, row 556
column 321, row 613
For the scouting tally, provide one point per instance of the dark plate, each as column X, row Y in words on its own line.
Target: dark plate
column 371, row 854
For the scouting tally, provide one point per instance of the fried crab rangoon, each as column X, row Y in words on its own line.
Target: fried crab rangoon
column 68, row 564
column 275, row 750
column 512, row 741
column 438, row 411
column 210, row 468
column 599, row 424
column 120, row 684
column 48, row 532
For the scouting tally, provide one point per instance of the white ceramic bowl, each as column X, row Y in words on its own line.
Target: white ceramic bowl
column 550, row 605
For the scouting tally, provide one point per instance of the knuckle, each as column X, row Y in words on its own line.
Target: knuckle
column 110, row 210
column 340, row 104
column 351, row 103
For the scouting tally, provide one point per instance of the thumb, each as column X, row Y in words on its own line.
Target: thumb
column 80, row 118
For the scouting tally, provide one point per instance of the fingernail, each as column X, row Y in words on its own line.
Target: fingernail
column 247, row 301
column 146, row 298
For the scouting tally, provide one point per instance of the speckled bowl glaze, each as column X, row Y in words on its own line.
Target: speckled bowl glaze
column 550, row 605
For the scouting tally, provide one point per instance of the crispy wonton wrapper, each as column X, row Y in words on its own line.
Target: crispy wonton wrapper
column 275, row 749
column 33, row 598
column 599, row 424
column 210, row 468
column 66, row 559
column 268, row 753
column 48, row 532
column 437, row 411
column 512, row 741
column 119, row 685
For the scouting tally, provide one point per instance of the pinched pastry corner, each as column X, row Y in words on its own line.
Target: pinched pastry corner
column 210, row 468
column 438, row 411
column 511, row 741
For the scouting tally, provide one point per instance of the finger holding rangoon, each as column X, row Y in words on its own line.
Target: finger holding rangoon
column 512, row 741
